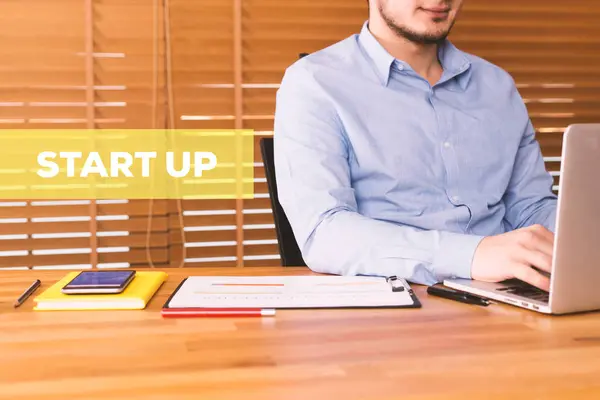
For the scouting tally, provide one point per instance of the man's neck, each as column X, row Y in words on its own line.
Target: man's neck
column 423, row 58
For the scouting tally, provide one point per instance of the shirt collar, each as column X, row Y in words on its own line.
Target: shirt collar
column 454, row 61
column 381, row 59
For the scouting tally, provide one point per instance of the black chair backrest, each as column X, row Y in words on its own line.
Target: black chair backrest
column 288, row 247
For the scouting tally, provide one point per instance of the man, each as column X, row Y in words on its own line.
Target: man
column 398, row 154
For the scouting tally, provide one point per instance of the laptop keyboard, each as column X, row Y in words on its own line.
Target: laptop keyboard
column 524, row 289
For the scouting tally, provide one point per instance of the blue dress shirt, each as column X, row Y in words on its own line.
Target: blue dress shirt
column 380, row 173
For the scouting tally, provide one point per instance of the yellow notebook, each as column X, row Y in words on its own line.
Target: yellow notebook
column 135, row 297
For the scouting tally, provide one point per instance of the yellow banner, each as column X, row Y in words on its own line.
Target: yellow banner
column 126, row 164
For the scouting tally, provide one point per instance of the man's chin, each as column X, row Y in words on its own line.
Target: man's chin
column 434, row 34
column 428, row 38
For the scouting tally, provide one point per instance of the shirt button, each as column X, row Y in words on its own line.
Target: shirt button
column 400, row 67
column 447, row 145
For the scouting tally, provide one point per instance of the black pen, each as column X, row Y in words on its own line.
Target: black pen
column 28, row 293
column 458, row 296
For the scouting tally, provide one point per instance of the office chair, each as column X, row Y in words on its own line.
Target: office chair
column 288, row 247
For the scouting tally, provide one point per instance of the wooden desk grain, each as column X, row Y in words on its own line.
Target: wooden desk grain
column 444, row 350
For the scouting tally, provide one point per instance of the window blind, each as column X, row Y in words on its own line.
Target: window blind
column 552, row 49
column 72, row 64
column 217, row 64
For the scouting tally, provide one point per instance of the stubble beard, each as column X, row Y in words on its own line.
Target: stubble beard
column 412, row 36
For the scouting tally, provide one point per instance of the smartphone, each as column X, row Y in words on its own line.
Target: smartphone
column 99, row 282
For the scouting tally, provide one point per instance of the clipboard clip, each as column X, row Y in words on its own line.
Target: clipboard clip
column 397, row 285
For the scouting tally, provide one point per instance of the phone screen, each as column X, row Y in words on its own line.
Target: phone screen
column 101, row 279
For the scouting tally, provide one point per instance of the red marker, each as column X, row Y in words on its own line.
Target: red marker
column 217, row 312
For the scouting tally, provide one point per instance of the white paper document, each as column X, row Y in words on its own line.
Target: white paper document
column 291, row 292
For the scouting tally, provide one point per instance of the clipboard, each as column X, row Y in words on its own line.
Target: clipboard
column 292, row 292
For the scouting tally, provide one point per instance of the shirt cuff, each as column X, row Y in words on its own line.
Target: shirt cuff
column 551, row 224
column 455, row 255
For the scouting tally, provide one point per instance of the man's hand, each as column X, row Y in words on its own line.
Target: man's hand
column 513, row 254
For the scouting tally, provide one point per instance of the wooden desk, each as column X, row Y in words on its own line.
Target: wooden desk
column 444, row 350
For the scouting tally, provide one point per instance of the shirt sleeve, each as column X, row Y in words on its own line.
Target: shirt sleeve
column 314, row 184
column 529, row 199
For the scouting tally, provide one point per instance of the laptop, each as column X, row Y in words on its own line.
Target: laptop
column 575, row 276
